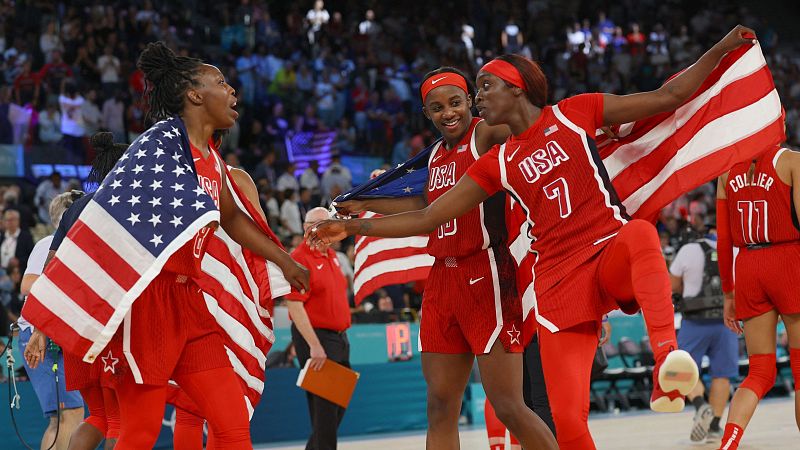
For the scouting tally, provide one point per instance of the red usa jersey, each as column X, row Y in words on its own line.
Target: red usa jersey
column 186, row 261
column 760, row 204
column 554, row 171
column 480, row 228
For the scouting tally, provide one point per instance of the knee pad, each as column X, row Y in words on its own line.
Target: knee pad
column 763, row 372
column 794, row 359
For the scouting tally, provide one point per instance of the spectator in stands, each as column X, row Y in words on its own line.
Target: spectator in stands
column 269, row 205
column 50, row 124
column 288, row 180
column 49, row 41
column 72, row 130
column 114, row 116
column 291, row 218
column 54, row 73
column 16, row 243
column 368, row 26
column 90, row 113
column 266, row 169
column 511, row 37
column 309, row 179
column 336, row 177
column 320, row 319
column 345, row 136
column 11, row 201
column 695, row 277
column 316, row 18
column 27, row 86
column 47, row 190
column 110, row 70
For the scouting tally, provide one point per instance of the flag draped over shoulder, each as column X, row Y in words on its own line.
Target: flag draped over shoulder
column 148, row 207
column 735, row 115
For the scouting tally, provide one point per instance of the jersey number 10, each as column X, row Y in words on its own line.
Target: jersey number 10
column 753, row 215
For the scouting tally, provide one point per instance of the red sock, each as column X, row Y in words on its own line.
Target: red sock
column 633, row 268
column 494, row 428
column 794, row 360
column 731, row 437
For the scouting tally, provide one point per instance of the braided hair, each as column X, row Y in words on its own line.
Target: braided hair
column 107, row 155
column 167, row 77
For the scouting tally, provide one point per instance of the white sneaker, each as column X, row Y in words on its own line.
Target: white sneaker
column 702, row 420
column 674, row 378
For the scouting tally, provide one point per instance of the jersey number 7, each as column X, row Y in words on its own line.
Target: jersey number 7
column 559, row 190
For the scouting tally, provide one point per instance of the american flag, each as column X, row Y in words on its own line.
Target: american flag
column 735, row 115
column 382, row 262
column 145, row 210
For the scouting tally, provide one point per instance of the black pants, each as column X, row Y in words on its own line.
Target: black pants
column 534, row 389
column 325, row 415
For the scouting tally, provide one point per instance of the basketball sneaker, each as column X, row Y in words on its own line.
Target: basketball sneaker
column 700, row 424
column 673, row 378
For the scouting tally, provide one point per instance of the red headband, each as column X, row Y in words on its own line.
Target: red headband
column 505, row 71
column 443, row 79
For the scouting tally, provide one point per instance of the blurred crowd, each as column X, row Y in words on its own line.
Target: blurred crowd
column 350, row 68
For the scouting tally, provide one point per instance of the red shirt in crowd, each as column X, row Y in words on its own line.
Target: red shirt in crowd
column 325, row 301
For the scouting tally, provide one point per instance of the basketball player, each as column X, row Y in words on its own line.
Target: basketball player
column 582, row 236
column 481, row 314
column 178, row 339
column 757, row 212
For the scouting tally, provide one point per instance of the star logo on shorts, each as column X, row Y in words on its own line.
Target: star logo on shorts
column 110, row 363
column 514, row 333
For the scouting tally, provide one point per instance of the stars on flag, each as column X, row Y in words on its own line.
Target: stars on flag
column 156, row 184
column 134, row 200
column 176, row 202
column 155, row 201
column 115, row 184
column 156, row 240
column 138, row 169
column 114, row 200
column 176, row 221
column 158, row 168
column 177, row 187
column 155, row 219
column 133, row 219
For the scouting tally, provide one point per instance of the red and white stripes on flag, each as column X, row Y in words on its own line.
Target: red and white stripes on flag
column 383, row 262
column 735, row 115
column 238, row 291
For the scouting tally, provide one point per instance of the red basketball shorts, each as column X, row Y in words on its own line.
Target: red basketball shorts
column 168, row 331
column 766, row 279
column 471, row 302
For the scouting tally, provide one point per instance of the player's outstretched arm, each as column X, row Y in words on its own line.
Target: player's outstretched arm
column 465, row 195
column 619, row 109
column 384, row 206
column 244, row 231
